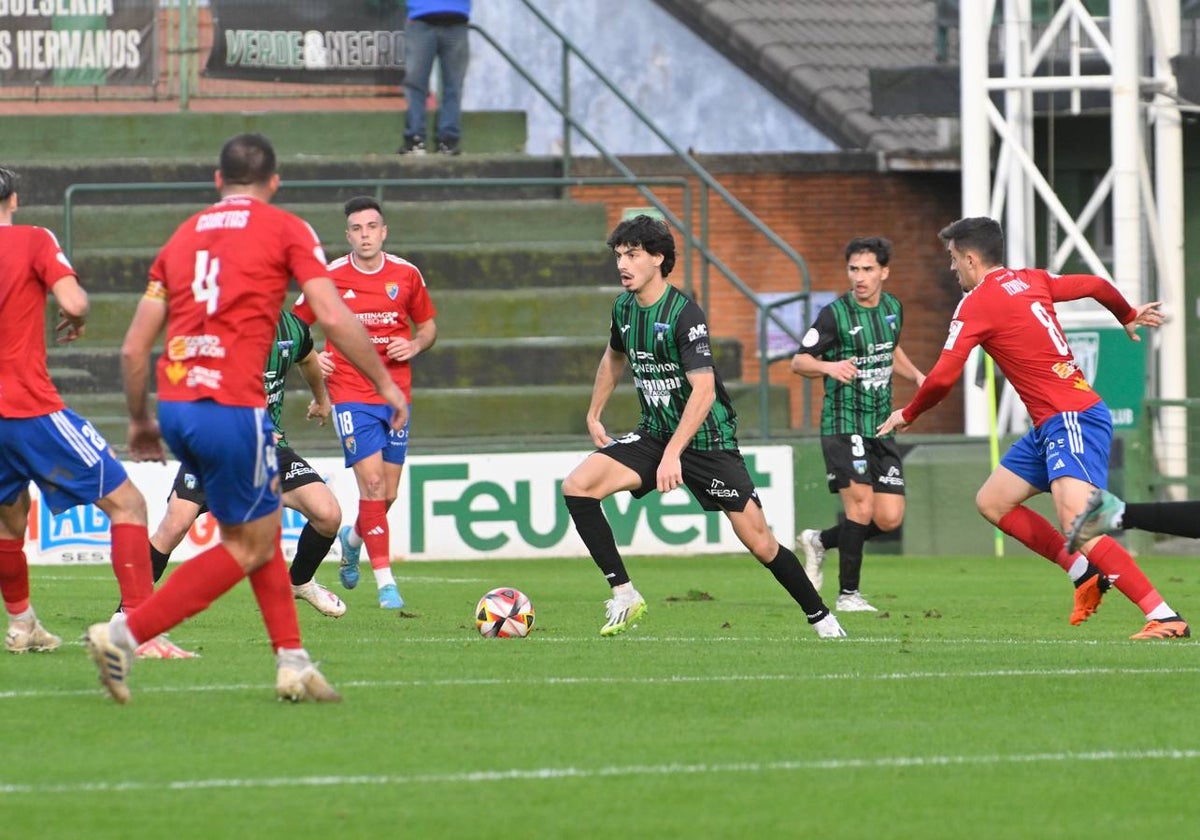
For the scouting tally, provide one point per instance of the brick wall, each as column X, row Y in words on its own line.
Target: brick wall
column 816, row 213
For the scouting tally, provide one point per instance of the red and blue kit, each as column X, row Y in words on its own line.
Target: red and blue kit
column 384, row 301
column 32, row 263
column 1011, row 314
column 223, row 275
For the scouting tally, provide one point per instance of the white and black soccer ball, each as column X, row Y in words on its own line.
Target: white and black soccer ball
column 504, row 613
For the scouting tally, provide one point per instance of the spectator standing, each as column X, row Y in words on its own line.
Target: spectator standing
column 436, row 29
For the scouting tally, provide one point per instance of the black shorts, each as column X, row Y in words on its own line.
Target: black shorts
column 717, row 478
column 294, row 472
column 854, row 459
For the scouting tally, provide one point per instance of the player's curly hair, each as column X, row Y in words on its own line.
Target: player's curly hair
column 247, row 159
column 8, row 183
column 650, row 234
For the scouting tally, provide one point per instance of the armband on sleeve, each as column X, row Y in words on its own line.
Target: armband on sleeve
column 155, row 290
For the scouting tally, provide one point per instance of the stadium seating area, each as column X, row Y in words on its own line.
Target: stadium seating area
column 521, row 276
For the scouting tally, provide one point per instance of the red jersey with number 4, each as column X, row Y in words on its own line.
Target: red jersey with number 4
column 30, row 264
column 384, row 301
column 224, row 274
column 1011, row 314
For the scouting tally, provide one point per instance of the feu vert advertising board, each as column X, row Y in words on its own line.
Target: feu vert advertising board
column 458, row 507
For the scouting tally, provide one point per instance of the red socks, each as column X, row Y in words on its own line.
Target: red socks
column 1037, row 534
column 273, row 590
column 189, row 589
column 131, row 563
column 1125, row 574
column 372, row 526
column 14, row 576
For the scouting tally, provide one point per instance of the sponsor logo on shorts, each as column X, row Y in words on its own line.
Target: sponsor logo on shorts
column 892, row 478
column 298, row 469
column 720, row 491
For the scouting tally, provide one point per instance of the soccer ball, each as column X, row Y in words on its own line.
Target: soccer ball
column 504, row 613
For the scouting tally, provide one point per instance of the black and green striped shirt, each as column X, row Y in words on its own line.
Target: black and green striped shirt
column 846, row 330
column 293, row 342
column 662, row 343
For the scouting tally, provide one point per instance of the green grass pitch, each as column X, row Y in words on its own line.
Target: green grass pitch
column 967, row 708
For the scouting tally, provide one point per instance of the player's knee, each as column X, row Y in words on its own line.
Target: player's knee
column 125, row 504
column 326, row 518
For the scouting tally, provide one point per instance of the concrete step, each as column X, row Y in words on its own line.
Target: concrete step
column 507, row 313
column 453, row 363
column 410, row 224
column 508, row 265
column 188, row 133
column 145, row 181
column 470, row 417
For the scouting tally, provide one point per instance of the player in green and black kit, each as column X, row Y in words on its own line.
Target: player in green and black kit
column 854, row 343
column 303, row 488
column 687, row 434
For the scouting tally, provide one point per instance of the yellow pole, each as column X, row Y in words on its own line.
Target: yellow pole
column 989, row 369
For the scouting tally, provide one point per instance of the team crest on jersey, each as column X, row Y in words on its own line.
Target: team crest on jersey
column 660, row 329
column 392, row 289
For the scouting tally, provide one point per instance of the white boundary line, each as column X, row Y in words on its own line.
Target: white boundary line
column 557, row 773
column 675, row 679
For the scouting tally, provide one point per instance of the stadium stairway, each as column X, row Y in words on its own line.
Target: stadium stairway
column 521, row 277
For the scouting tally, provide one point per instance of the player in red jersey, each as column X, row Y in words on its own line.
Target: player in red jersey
column 1010, row 313
column 43, row 441
column 386, row 293
column 217, row 286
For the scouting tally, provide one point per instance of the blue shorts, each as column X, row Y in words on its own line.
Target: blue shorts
column 232, row 450
column 1074, row 443
column 366, row 428
column 63, row 454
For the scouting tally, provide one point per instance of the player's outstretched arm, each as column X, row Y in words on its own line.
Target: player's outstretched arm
column 348, row 335
column 145, row 443
column 608, row 374
column 1148, row 315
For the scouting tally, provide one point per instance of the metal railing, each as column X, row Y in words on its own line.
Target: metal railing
column 377, row 186
column 183, row 51
column 693, row 238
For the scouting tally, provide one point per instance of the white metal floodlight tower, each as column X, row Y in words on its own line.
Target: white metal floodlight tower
column 1136, row 44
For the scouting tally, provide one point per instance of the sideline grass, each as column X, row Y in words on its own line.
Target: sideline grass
column 969, row 707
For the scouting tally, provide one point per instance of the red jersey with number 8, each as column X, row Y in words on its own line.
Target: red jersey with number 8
column 224, row 274
column 1011, row 314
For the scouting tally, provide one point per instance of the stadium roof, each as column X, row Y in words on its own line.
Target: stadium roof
column 815, row 55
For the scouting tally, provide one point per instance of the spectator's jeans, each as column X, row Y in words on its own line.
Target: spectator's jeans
column 449, row 44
